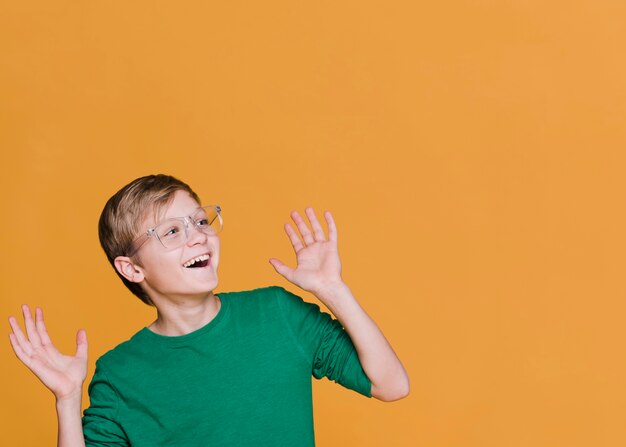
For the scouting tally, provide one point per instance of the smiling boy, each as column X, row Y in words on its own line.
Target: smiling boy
column 212, row 369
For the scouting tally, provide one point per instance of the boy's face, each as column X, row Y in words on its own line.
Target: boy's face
column 163, row 270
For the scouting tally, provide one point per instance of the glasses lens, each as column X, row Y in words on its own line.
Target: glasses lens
column 208, row 220
column 171, row 233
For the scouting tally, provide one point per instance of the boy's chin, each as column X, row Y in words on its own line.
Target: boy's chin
column 209, row 287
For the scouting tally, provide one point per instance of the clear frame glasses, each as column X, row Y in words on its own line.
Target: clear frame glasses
column 174, row 232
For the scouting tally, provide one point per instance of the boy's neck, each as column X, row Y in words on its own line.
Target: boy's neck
column 184, row 317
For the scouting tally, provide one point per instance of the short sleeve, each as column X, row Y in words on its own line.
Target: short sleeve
column 99, row 420
column 324, row 342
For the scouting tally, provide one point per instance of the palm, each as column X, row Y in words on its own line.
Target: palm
column 317, row 264
column 317, row 257
column 62, row 374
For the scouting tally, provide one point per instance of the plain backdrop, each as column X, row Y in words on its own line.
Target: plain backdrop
column 472, row 153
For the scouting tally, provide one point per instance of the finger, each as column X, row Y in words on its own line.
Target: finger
column 303, row 228
column 20, row 338
column 31, row 330
column 282, row 269
column 17, row 348
column 318, row 231
column 81, row 344
column 332, row 228
column 294, row 238
column 41, row 327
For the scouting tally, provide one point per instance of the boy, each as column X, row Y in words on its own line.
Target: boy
column 212, row 369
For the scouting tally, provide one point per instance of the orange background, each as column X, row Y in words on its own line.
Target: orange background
column 471, row 151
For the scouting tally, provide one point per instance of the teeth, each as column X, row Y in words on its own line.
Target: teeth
column 194, row 260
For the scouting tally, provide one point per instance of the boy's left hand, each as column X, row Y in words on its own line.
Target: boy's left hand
column 319, row 267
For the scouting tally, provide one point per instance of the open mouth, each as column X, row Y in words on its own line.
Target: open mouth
column 198, row 262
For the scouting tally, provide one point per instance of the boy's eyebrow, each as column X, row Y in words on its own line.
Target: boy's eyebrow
column 178, row 217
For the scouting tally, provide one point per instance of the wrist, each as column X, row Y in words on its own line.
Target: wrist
column 70, row 400
column 333, row 292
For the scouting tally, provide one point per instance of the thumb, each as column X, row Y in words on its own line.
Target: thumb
column 282, row 269
column 81, row 344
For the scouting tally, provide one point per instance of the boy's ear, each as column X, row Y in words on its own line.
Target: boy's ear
column 128, row 269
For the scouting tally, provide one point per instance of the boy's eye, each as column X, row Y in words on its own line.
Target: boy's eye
column 170, row 231
column 202, row 222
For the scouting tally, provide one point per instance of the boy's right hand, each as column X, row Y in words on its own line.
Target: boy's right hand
column 62, row 374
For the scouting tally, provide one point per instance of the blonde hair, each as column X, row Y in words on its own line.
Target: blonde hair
column 126, row 210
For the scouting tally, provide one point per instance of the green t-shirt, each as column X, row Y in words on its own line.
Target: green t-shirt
column 244, row 379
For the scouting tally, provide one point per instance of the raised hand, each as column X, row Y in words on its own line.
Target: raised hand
column 63, row 375
column 318, row 265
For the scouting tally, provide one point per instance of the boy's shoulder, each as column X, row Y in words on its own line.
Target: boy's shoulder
column 122, row 351
column 259, row 301
column 265, row 299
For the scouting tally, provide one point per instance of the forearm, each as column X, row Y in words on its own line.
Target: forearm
column 70, row 430
column 380, row 363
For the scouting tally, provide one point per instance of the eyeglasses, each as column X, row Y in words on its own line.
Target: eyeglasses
column 173, row 233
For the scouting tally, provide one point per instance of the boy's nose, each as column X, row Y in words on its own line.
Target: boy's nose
column 195, row 235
